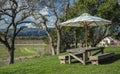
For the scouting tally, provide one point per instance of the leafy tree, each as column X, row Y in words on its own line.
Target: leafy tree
column 108, row 9
column 12, row 14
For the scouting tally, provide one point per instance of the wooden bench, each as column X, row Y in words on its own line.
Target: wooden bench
column 63, row 59
column 95, row 59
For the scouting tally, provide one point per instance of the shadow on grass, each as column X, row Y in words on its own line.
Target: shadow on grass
column 102, row 62
column 110, row 60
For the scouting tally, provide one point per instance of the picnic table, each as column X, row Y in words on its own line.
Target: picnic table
column 85, row 53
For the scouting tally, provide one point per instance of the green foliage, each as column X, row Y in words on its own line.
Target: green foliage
column 68, row 39
column 71, row 35
column 108, row 9
column 51, row 65
column 45, row 39
column 84, row 6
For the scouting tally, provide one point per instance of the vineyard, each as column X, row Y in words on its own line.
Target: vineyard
column 25, row 48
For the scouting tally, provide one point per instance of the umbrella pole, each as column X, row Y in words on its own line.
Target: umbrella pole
column 85, row 35
column 86, row 42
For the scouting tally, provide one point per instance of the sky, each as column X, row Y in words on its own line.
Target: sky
column 29, row 25
column 44, row 11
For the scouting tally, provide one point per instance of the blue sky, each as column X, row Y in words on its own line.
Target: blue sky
column 44, row 11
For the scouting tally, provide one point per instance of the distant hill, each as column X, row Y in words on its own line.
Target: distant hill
column 28, row 32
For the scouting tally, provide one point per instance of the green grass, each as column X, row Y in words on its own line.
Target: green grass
column 50, row 65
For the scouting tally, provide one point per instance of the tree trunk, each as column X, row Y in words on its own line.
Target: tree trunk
column 51, row 41
column 11, row 54
column 76, row 43
column 58, row 41
column 52, row 45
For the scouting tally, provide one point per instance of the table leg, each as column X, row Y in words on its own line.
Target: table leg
column 69, row 59
column 89, row 53
column 102, row 51
column 84, row 57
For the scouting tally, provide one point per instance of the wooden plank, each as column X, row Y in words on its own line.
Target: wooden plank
column 94, row 48
column 93, row 58
column 89, row 53
column 85, row 49
column 63, row 59
column 74, row 50
column 95, row 62
column 85, row 57
column 79, row 59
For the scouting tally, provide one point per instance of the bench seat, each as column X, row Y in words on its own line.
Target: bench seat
column 63, row 59
column 95, row 59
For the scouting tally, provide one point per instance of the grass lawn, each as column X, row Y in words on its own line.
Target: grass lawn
column 50, row 65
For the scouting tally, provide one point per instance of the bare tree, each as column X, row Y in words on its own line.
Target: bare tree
column 56, row 7
column 43, row 24
column 54, row 10
column 12, row 14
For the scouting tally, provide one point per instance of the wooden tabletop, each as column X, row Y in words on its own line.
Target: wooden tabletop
column 85, row 49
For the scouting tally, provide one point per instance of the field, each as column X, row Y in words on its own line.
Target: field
column 51, row 65
column 24, row 47
column 22, row 51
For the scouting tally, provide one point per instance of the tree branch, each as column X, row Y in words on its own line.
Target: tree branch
column 21, row 28
column 23, row 17
column 2, row 12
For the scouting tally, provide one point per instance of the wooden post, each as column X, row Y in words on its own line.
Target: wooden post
column 69, row 59
column 102, row 50
column 89, row 53
column 84, row 57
